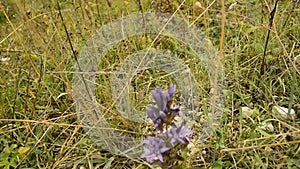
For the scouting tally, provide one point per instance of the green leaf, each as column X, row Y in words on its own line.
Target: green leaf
column 4, row 163
column 259, row 48
column 108, row 164
column 218, row 165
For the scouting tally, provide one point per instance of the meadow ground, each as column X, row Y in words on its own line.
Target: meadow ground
column 38, row 122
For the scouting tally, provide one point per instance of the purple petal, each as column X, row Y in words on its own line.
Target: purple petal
column 160, row 98
column 160, row 158
column 162, row 150
column 172, row 90
column 157, row 123
column 150, row 158
column 162, row 115
column 179, row 134
column 152, row 112
column 154, row 149
column 177, row 111
column 188, row 139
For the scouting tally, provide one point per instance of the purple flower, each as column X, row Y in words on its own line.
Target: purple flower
column 171, row 91
column 156, row 115
column 162, row 98
column 176, row 111
column 164, row 113
column 179, row 134
column 154, row 149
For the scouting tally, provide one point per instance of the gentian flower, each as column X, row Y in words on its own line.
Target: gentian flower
column 166, row 138
column 176, row 111
column 179, row 134
column 154, row 149
column 156, row 115
column 163, row 100
column 171, row 91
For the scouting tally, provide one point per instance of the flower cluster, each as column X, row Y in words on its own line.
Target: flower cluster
column 169, row 136
column 155, row 149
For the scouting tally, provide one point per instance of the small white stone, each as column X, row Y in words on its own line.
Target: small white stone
column 4, row 59
column 267, row 126
column 283, row 112
column 232, row 5
column 247, row 112
column 197, row 5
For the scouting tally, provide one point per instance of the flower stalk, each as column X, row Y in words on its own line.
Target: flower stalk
column 164, row 146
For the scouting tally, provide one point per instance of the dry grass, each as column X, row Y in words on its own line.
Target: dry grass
column 38, row 124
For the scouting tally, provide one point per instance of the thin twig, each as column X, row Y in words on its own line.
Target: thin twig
column 263, row 63
column 282, row 45
column 291, row 100
column 77, row 21
column 260, row 146
column 71, row 46
column 49, row 123
column 108, row 3
column 140, row 5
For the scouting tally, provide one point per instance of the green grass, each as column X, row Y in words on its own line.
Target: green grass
column 38, row 122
